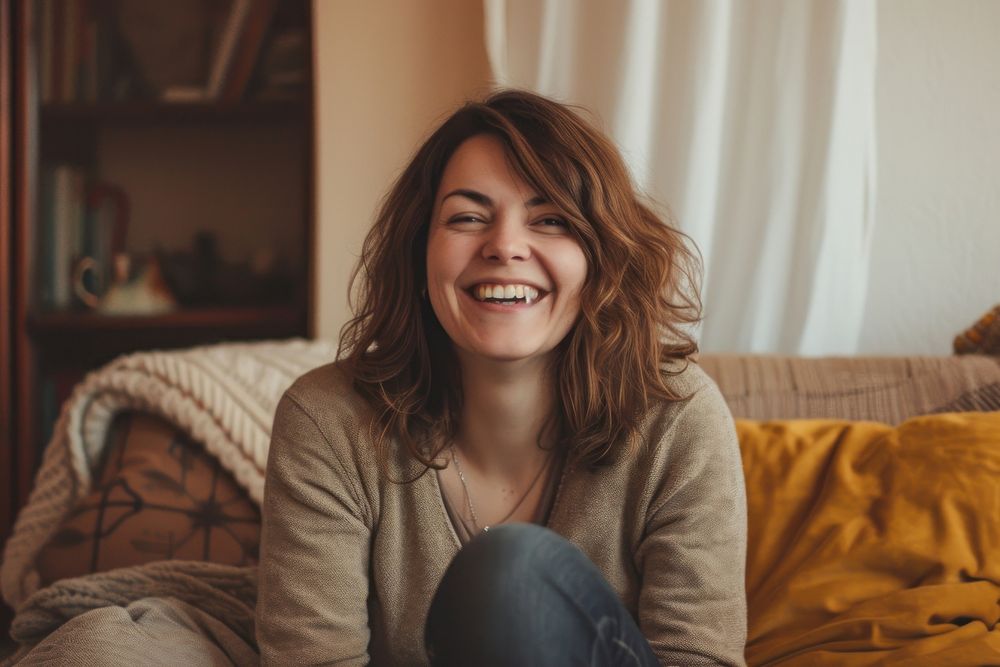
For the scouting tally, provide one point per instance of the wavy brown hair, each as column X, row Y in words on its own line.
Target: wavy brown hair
column 637, row 303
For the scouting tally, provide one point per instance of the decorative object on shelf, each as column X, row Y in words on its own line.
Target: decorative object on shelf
column 146, row 293
column 200, row 277
column 106, row 226
column 193, row 274
column 103, row 278
column 80, row 218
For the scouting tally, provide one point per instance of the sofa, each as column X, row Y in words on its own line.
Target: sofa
column 873, row 491
column 873, row 500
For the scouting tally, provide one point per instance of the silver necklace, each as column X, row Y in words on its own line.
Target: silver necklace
column 468, row 496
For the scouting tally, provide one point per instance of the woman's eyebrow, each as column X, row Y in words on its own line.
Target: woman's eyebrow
column 484, row 200
column 475, row 196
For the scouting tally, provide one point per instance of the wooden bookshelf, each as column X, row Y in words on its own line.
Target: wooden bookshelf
column 238, row 170
column 107, row 334
column 7, row 474
column 253, row 321
column 160, row 113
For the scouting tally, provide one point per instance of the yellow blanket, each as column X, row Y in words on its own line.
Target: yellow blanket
column 871, row 544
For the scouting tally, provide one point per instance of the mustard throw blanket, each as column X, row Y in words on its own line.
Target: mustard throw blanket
column 870, row 544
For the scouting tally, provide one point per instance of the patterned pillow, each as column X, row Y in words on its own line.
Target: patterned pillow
column 157, row 496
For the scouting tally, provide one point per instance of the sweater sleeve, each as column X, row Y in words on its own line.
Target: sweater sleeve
column 692, row 557
column 313, row 575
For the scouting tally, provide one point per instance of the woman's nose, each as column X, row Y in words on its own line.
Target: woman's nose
column 507, row 240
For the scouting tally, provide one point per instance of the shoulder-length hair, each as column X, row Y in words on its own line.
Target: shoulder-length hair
column 638, row 302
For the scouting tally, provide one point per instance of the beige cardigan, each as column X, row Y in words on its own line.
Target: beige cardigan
column 350, row 561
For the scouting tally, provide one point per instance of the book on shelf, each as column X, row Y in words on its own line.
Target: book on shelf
column 282, row 73
column 79, row 217
column 47, row 55
column 70, row 52
column 61, row 192
column 67, row 230
column 87, row 56
column 248, row 50
column 235, row 56
column 75, row 51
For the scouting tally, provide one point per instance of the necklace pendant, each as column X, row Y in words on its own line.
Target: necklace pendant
column 468, row 496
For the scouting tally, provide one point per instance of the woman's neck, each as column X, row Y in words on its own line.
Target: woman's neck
column 505, row 409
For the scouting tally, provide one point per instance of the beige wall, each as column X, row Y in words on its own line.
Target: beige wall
column 386, row 71
column 936, row 245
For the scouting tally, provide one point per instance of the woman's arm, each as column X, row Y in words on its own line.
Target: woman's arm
column 312, row 600
column 692, row 604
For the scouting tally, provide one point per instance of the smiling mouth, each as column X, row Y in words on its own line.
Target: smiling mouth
column 510, row 295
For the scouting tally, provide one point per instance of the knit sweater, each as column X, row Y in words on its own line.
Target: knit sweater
column 350, row 560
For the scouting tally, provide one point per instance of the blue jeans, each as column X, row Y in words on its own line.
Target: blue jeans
column 522, row 595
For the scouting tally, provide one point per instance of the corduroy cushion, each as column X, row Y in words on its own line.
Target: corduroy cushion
column 870, row 544
column 157, row 496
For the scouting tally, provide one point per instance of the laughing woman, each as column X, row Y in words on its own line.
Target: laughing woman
column 515, row 460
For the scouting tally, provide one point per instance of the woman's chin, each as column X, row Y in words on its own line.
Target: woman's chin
column 504, row 353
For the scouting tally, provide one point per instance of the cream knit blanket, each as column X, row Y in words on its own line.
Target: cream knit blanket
column 160, row 613
column 223, row 396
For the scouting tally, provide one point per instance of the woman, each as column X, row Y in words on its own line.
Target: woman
column 514, row 461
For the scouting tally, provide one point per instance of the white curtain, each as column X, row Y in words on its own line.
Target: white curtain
column 753, row 121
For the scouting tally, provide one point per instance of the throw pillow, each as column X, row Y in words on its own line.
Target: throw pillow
column 983, row 337
column 157, row 496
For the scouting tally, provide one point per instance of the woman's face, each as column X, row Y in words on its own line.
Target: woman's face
column 504, row 273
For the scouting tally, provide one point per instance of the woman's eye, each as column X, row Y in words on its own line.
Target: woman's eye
column 465, row 218
column 552, row 222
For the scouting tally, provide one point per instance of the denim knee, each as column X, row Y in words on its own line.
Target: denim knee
column 496, row 563
column 509, row 590
column 515, row 550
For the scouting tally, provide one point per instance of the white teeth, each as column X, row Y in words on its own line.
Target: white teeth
column 506, row 292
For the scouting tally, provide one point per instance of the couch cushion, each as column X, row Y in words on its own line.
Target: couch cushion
column 868, row 542
column 884, row 389
column 157, row 496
